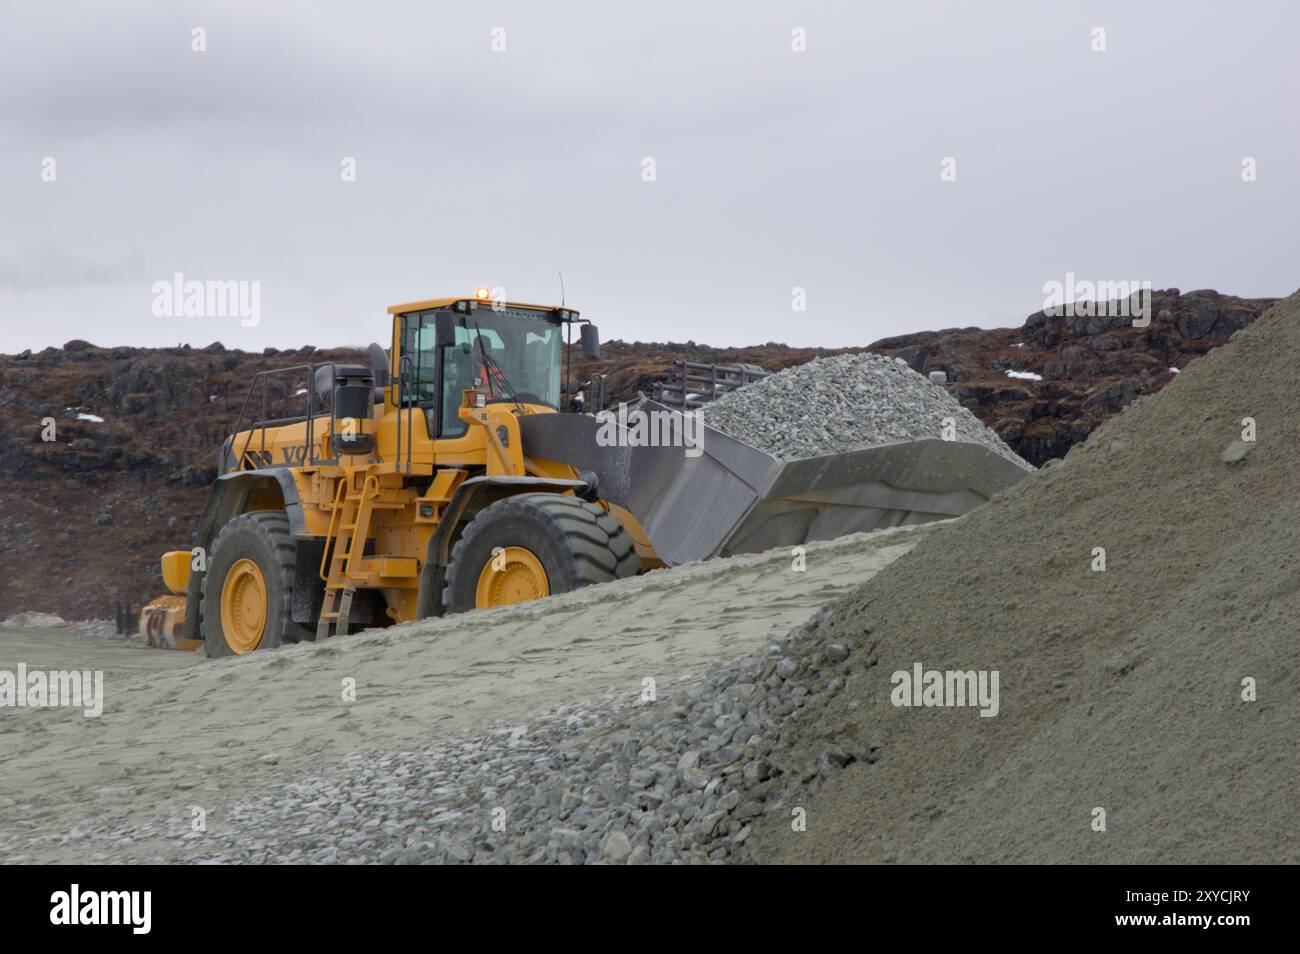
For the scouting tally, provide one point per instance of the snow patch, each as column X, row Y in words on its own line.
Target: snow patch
column 34, row 620
column 1025, row 375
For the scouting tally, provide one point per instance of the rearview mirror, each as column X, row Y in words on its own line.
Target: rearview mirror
column 590, row 342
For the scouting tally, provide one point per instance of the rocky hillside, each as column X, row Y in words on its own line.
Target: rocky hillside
column 1090, row 367
column 84, row 518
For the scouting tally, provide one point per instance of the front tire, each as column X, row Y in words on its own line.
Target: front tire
column 533, row 545
column 247, row 601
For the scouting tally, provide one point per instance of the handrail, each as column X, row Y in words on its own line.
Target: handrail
column 403, row 365
column 311, row 415
column 263, row 378
column 397, row 396
column 311, row 418
column 331, row 531
column 369, row 491
column 707, row 382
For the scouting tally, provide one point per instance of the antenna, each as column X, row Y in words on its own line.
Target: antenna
column 561, row 274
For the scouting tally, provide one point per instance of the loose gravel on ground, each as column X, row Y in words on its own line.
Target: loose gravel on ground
column 674, row 780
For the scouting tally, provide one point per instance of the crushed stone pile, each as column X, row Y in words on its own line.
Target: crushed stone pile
column 679, row 780
column 1147, row 709
column 842, row 403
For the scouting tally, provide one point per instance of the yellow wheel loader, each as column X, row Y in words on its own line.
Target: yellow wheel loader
column 446, row 477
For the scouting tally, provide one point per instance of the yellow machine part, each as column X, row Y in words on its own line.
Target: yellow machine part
column 176, row 570
column 163, row 620
column 513, row 575
column 244, row 601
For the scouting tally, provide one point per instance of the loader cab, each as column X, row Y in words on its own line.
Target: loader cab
column 442, row 348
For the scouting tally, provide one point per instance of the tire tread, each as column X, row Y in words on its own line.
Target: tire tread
column 596, row 547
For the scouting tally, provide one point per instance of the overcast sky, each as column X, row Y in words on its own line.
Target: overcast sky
column 774, row 169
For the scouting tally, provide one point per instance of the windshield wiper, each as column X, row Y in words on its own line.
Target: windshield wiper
column 493, row 368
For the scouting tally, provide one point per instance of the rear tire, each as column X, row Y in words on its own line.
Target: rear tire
column 254, row 551
column 575, row 542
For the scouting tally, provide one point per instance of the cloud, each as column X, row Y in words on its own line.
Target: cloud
column 50, row 267
column 775, row 169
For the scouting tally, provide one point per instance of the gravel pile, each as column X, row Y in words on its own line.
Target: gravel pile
column 679, row 780
column 1131, row 687
column 842, row 403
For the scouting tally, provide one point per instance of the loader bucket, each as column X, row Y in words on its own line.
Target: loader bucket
column 733, row 498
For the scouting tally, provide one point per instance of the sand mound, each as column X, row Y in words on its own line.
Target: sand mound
column 1120, row 689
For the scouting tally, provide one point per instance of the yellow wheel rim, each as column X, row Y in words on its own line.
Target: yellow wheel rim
column 243, row 606
column 512, row 575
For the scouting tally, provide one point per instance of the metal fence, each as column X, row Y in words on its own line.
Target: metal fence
column 692, row 385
